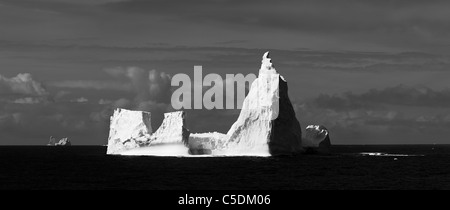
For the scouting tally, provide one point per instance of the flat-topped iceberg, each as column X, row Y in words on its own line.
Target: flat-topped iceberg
column 128, row 129
column 131, row 130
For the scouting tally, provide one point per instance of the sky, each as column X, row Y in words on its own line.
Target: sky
column 372, row 72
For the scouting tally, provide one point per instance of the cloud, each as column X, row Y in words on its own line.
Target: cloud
column 399, row 114
column 27, row 100
column 117, row 72
column 148, row 85
column 121, row 103
column 104, row 101
column 103, row 115
column 60, row 94
column 304, row 15
column 32, row 123
column 80, row 100
column 152, row 92
column 233, row 57
column 27, row 116
column 22, row 84
column 91, row 84
column 231, row 42
column 365, row 126
column 366, row 24
column 398, row 95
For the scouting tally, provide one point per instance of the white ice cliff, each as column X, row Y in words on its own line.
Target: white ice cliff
column 266, row 126
column 128, row 130
column 170, row 139
column 172, row 130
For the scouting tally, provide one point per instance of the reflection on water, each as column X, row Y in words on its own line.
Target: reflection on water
column 386, row 154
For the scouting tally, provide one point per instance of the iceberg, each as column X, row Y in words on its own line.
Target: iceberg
column 317, row 139
column 52, row 141
column 63, row 142
column 266, row 126
column 206, row 143
column 128, row 129
column 131, row 131
column 172, row 130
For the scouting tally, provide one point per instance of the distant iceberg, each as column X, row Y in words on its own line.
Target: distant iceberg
column 61, row 142
column 52, row 141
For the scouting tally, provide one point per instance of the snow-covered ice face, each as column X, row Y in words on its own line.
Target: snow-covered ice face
column 316, row 134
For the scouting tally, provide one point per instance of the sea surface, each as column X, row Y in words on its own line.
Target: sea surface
column 348, row 167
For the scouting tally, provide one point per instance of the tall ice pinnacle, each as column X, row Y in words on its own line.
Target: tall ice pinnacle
column 266, row 64
column 267, row 124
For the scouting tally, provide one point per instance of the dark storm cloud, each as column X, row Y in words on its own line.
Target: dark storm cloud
column 417, row 18
column 364, row 61
column 28, row 112
column 233, row 56
column 34, row 123
column 391, row 24
column 399, row 114
column 310, row 15
column 89, row 52
column 386, row 25
column 399, row 95
column 33, row 118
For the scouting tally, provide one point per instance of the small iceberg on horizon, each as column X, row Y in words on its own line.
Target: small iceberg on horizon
column 62, row 142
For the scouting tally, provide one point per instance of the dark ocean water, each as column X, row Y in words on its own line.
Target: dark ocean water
column 87, row 167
